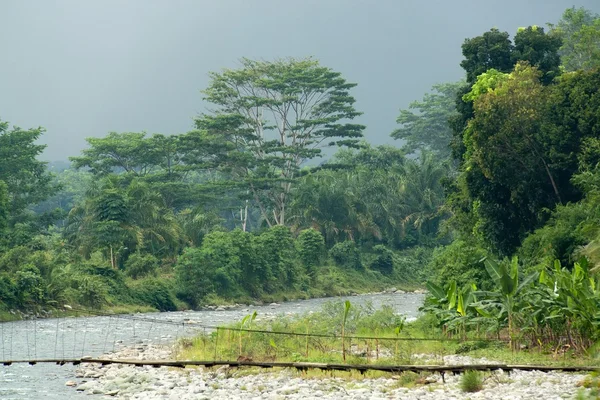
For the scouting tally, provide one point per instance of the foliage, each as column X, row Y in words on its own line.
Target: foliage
column 471, row 381
column 579, row 30
column 539, row 49
column 346, row 254
column 270, row 118
column 521, row 152
column 26, row 178
column 311, row 249
column 428, row 128
column 140, row 265
column 491, row 50
column 460, row 261
column 154, row 292
column 384, row 197
column 383, row 261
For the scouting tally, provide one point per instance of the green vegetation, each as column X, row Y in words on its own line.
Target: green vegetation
column 232, row 211
column 471, row 381
column 491, row 201
column 326, row 335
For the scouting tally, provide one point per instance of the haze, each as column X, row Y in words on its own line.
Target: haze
column 84, row 68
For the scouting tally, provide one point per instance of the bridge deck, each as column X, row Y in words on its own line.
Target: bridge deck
column 306, row 365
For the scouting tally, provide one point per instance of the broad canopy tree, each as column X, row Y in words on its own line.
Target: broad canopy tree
column 25, row 178
column 269, row 118
column 425, row 125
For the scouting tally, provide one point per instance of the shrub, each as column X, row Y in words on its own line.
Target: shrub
column 311, row 247
column 471, row 381
column 461, row 262
column 29, row 285
column 383, row 261
column 194, row 276
column 346, row 254
column 138, row 265
column 112, row 279
column 90, row 291
column 277, row 256
column 8, row 292
column 155, row 293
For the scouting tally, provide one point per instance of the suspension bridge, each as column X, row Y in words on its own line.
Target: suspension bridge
column 92, row 337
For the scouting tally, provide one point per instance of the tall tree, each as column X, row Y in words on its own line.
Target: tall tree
column 27, row 179
column 493, row 49
column 130, row 152
column 539, row 49
column 274, row 116
column 579, row 30
column 425, row 125
column 521, row 150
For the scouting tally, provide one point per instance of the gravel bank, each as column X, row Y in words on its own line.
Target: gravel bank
column 127, row 382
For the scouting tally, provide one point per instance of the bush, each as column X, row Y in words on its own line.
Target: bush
column 411, row 264
column 194, row 276
column 90, row 291
column 29, row 285
column 384, row 260
column 139, row 266
column 570, row 226
column 277, row 256
column 471, row 381
column 155, row 293
column 346, row 254
column 311, row 247
column 112, row 279
column 8, row 292
column 461, row 262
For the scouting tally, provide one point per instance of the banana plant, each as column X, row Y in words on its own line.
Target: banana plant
column 505, row 276
column 576, row 297
column 454, row 306
column 347, row 306
column 246, row 323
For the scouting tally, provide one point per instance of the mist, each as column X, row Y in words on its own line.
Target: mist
column 85, row 68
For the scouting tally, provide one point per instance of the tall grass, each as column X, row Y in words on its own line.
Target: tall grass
column 339, row 332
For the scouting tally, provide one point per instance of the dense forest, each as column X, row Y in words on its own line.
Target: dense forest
column 492, row 196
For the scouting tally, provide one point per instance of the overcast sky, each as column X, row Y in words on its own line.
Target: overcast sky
column 84, row 68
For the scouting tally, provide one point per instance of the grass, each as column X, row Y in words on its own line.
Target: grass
column 362, row 321
column 471, row 381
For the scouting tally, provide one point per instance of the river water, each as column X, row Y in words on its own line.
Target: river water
column 64, row 338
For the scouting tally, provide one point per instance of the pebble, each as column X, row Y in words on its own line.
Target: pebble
column 147, row 383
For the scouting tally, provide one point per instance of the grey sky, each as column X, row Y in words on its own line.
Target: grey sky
column 83, row 68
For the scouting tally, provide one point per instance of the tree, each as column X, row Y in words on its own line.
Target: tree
column 382, row 197
column 120, row 221
column 166, row 162
column 579, row 30
column 26, row 178
column 539, row 49
column 130, row 152
column 521, row 151
column 428, row 128
column 493, row 49
column 271, row 117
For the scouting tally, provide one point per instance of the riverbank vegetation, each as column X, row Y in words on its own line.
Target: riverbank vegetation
column 491, row 200
column 347, row 333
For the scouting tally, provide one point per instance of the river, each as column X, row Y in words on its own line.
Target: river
column 92, row 336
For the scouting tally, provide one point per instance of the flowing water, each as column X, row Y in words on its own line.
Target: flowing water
column 59, row 338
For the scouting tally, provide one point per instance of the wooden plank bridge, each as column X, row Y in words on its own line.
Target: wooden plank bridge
column 303, row 366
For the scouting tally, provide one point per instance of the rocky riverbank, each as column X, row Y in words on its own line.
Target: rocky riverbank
column 128, row 382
